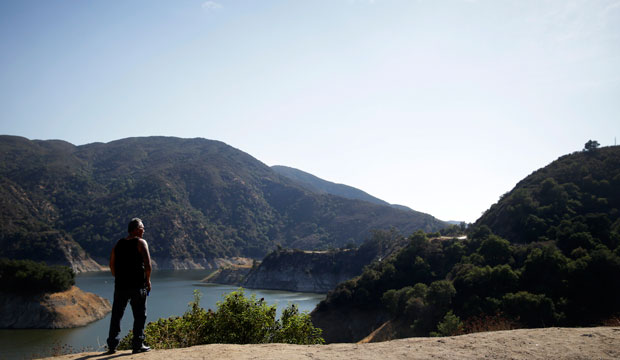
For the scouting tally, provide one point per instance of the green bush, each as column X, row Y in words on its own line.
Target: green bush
column 297, row 328
column 241, row 320
column 237, row 320
column 450, row 325
column 533, row 310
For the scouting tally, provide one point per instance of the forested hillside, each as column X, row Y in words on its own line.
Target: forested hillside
column 565, row 270
column 574, row 201
column 200, row 200
column 319, row 185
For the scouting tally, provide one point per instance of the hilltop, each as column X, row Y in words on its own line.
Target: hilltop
column 319, row 185
column 202, row 201
column 559, row 264
column 578, row 193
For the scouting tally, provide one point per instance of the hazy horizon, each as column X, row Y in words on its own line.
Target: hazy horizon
column 441, row 106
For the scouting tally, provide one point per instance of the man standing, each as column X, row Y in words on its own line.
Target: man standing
column 130, row 264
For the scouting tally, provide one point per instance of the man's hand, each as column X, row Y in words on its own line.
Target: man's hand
column 148, row 286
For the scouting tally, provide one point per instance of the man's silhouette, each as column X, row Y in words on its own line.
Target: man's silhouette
column 130, row 263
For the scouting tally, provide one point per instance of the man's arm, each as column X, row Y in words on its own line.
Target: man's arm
column 113, row 262
column 143, row 247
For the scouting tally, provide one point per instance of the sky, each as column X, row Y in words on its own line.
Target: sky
column 442, row 106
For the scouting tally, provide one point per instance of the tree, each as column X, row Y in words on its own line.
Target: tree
column 496, row 251
column 532, row 310
column 591, row 145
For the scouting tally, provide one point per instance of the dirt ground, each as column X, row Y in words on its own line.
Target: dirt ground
column 549, row 343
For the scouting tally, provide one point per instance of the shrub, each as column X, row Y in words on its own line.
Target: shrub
column 237, row 320
column 241, row 320
column 297, row 328
column 450, row 325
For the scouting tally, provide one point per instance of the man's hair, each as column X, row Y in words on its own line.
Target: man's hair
column 134, row 224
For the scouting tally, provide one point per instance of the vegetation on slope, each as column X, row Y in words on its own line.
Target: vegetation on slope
column 199, row 199
column 574, row 201
column 25, row 277
column 566, row 271
column 319, row 185
column 431, row 283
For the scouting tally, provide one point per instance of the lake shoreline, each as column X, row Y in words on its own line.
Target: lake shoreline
column 171, row 293
column 66, row 309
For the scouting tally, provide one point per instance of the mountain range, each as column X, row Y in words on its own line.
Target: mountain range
column 201, row 201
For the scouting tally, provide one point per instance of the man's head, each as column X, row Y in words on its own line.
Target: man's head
column 135, row 226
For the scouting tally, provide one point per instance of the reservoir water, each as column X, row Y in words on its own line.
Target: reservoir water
column 171, row 293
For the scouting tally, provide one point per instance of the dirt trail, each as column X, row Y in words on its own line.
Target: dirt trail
column 550, row 343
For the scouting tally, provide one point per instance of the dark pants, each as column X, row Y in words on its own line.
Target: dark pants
column 137, row 299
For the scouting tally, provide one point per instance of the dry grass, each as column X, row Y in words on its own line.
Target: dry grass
column 612, row 321
column 484, row 323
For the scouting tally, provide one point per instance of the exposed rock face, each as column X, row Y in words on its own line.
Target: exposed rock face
column 305, row 271
column 67, row 309
column 231, row 271
column 228, row 276
column 289, row 270
column 76, row 258
column 309, row 271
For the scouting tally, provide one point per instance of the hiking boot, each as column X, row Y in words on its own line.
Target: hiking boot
column 141, row 349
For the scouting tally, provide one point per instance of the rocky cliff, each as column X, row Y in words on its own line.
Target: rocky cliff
column 228, row 276
column 292, row 270
column 232, row 272
column 305, row 271
column 67, row 309
column 308, row 271
column 76, row 258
